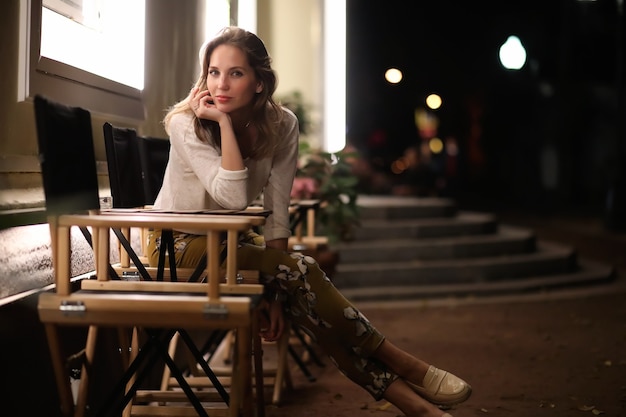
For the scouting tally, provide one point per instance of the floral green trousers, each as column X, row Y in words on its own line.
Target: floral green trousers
column 312, row 302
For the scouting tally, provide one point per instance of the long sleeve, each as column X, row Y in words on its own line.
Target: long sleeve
column 277, row 192
column 195, row 180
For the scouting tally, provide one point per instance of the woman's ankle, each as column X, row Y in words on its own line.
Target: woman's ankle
column 407, row 401
column 402, row 363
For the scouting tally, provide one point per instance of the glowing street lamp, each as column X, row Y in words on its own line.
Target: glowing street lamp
column 512, row 53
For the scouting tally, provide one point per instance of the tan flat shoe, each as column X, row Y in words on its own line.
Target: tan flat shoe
column 442, row 388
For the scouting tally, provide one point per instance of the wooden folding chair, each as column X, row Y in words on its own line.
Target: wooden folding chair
column 158, row 308
column 136, row 165
column 294, row 343
column 304, row 213
column 134, row 160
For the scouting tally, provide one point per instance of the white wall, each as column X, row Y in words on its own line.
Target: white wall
column 292, row 31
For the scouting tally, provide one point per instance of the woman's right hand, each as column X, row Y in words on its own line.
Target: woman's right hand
column 272, row 320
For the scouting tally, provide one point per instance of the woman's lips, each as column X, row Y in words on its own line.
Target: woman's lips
column 222, row 99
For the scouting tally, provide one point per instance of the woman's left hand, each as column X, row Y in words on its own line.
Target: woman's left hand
column 272, row 320
column 201, row 103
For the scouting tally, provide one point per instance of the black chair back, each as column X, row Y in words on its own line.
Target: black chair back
column 67, row 158
column 124, row 166
column 154, row 154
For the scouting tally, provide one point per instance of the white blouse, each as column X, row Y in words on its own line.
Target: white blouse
column 195, row 180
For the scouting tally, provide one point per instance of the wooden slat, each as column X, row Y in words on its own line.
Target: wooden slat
column 178, row 411
column 241, row 289
column 249, row 276
column 213, row 266
column 203, row 381
column 60, row 370
column 159, row 220
column 231, row 260
column 124, row 256
column 169, row 287
column 101, row 235
column 157, row 310
column 62, row 272
column 207, row 394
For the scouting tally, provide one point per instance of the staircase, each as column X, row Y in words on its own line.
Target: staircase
column 425, row 247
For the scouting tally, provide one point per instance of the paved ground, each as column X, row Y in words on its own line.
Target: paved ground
column 556, row 355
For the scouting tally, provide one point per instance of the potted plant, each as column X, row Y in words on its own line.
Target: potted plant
column 328, row 176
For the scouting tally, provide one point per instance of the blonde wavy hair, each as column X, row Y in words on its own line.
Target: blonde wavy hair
column 266, row 113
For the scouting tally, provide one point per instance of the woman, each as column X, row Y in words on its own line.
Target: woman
column 230, row 142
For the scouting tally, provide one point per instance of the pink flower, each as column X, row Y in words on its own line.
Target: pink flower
column 304, row 188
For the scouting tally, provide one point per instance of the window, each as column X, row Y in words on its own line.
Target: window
column 217, row 15
column 95, row 32
column 90, row 53
column 221, row 13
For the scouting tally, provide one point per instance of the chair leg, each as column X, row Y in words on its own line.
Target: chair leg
column 134, row 348
column 259, row 380
column 281, row 367
column 90, row 348
column 306, row 342
column 229, row 341
column 62, row 376
column 242, row 375
column 165, row 379
column 124, row 341
column 208, row 372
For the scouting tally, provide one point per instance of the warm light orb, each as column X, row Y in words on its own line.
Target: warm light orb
column 433, row 101
column 512, row 53
column 393, row 75
column 435, row 145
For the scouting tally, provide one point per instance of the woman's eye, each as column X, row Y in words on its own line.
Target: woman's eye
column 237, row 73
column 213, row 72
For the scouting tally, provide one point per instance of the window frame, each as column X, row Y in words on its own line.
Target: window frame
column 65, row 83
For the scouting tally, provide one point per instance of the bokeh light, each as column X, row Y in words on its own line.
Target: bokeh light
column 512, row 53
column 393, row 75
column 435, row 145
column 433, row 101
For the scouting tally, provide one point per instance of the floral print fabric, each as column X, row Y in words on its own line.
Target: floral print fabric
column 312, row 302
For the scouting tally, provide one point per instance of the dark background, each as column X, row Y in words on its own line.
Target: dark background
column 547, row 137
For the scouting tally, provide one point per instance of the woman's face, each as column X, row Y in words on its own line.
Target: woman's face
column 231, row 81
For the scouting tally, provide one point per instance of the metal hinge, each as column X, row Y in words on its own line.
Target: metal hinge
column 239, row 279
column 131, row 276
column 215, row 311
column 73, row 307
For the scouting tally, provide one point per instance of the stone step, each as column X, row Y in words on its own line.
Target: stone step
column 413, row 248
column 586, row 274
column 463, row 223
column 548, row 259
column 507, row 240
column 390, row 207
